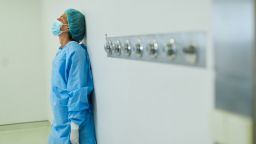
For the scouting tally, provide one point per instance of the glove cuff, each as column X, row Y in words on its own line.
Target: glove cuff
column 74, row 126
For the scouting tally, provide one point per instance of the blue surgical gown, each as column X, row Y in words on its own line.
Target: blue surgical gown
column 71, row 92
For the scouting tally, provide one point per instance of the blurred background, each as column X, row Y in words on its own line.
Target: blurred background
column 136, row 102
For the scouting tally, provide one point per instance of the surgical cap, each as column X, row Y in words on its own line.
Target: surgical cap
column 76, row 22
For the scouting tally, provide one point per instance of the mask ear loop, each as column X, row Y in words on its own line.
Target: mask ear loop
column 65, row 30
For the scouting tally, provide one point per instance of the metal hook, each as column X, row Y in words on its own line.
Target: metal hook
column 106, row 36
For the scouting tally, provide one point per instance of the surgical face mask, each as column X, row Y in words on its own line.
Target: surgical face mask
column 56, row 28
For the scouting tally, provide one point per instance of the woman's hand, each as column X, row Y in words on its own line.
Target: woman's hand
column 74, row 133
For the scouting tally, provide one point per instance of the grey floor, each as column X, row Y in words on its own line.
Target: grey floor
column 26, row 133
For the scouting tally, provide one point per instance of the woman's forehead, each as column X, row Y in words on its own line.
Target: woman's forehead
column 64, row 15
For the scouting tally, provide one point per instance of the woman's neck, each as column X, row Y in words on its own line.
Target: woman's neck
column 64, row 39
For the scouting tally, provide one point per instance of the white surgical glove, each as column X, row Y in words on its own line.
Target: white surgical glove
column 74, row 133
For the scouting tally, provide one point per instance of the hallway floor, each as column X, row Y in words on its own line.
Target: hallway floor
column 27, row 133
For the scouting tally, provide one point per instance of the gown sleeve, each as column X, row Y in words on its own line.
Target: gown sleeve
column 79, row 86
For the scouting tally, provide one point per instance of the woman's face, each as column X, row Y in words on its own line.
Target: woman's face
column 63, row 19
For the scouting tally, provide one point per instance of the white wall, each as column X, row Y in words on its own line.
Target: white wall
column 23, row 96
column 141, row 102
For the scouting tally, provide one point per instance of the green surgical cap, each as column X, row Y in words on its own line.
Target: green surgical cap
column 76, row 22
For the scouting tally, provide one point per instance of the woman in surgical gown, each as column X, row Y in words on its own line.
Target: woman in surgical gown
column 72, row 83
